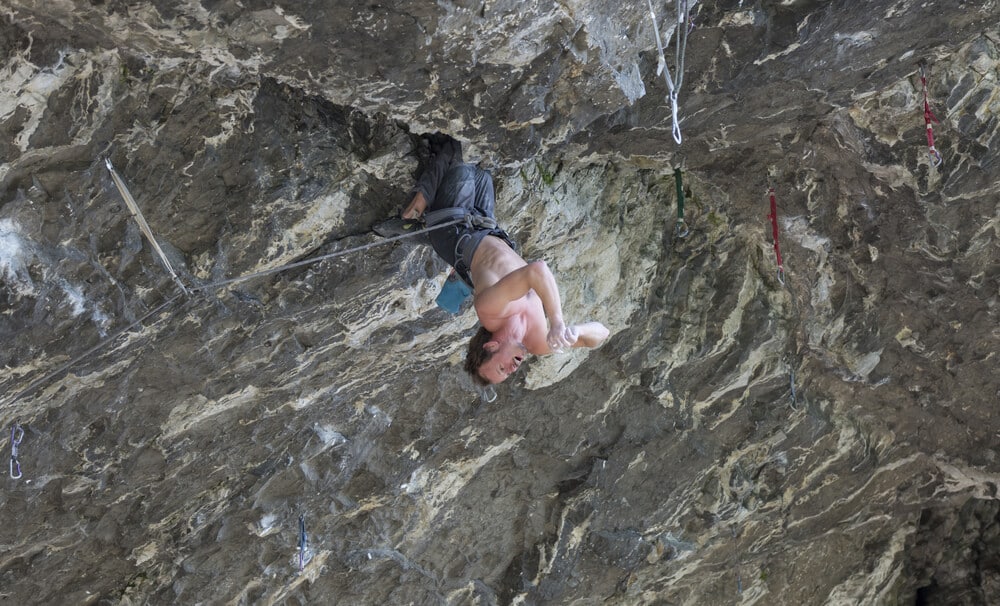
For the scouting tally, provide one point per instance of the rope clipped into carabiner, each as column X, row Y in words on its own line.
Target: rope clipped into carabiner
column 16, row 435
column 681, row 227
column 774, row 233
column 929, row 119
column 674, row 89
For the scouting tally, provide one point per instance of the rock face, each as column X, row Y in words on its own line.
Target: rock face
column 829, row 440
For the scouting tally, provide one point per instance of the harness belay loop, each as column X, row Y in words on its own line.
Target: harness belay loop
column 470, row 220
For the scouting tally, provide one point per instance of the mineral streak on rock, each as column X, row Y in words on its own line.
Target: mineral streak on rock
column 171, row 444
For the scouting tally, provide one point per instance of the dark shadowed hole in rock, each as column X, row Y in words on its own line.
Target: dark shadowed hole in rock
column 954, row 557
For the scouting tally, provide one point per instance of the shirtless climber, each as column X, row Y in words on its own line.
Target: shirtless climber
column 513, row 298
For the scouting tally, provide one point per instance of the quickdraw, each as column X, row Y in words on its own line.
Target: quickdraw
column 791, row 382
column 674, row 88
column 303, row 542
column 774, row 232
column 681, row 228
column 793, row 402
column 929, row 119
column 16, row 435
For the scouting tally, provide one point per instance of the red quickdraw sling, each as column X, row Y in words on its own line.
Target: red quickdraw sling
column 774, row 233
column 929, row 119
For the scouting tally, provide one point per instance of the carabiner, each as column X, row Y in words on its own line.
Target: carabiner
column 674, row 116
column 682, row 229
column 781, row 275
column 936, row 158
column 489, row 394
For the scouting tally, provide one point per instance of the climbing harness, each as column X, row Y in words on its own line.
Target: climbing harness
column 929, row 119
column 436, row 218
column 473, row 222
column 681, row 227
column 303, row 542
column 674, row 88
column 774, row 232
column 16, row 435
column 143, row 226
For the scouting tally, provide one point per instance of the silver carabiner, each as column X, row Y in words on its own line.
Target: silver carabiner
column 489, row 394
column 674, row 111
column 781, row 275
column 682, row 229
column 936, row 158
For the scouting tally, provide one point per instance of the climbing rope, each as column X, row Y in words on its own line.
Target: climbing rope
column 774, row 232
column 122, row 188
column 134, row 209
column 681, row 227
column 141, row 221
column 34, row 385
column 310, row 261
column 680, row 47
column 929, row 119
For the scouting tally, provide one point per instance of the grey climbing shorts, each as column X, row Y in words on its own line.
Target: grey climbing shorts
column 469, row 188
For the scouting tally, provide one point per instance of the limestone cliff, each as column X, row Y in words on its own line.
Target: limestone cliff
column 738, row 440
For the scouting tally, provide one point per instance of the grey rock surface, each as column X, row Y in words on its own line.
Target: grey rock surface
column 829, row 440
